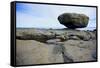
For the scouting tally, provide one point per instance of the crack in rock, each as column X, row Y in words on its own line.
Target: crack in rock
column 60, row 49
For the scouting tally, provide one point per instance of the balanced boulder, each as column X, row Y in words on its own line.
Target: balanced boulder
column 73, row 20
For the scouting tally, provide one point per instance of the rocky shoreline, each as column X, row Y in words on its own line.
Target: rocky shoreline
column 42, row 46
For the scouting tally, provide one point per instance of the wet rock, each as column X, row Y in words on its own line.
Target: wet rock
column 73, row 20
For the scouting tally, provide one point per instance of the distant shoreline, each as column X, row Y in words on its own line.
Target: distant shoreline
column 85, row 29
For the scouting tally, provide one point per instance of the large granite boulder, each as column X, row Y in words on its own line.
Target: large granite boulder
column 73, row 20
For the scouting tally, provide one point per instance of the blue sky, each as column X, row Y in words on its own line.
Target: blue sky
column 45, row 16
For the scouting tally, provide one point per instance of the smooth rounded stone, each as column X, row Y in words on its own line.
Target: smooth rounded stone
column 73, row 20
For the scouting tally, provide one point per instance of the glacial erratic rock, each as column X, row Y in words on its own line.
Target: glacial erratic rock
column 73, row 20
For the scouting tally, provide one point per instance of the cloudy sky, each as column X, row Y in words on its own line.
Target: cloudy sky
column 45, row 16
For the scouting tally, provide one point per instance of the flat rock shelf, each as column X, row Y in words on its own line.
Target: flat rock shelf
column 43, row 46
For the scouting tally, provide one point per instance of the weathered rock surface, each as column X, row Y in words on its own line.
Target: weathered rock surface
column 63, row 35
column 34, row 52
column 39, row 46
column 80, row 50
column 73, row 20
column 38, row 35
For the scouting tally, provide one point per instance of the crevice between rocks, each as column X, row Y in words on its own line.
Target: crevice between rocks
column 61, row 49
